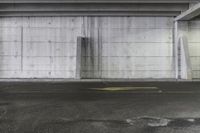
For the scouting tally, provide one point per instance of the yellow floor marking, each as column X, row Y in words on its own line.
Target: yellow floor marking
column 125, row 88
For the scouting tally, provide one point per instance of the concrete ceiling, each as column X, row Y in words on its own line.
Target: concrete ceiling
column 93, row 7
column 98, row 1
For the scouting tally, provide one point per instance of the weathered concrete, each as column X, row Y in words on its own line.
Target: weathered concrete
column 193, row 43
column 186, row 70
column 92, row 8
column 190, row 31
column 39, row 47
column 99, row 1
column 181, row 51
column 142, row 47
column 191, row 13
column 117, row 47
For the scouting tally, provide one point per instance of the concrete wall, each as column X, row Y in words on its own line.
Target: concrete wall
column 130, row 47
column 141, row 47
column 38, row 47
column 194, row 47
column 118, row 47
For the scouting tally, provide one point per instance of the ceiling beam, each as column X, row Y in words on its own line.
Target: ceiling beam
column 86, row 13
column 93, row 7
column 99, row 1
column 191, row 13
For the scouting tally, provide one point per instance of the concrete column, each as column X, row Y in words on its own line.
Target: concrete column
column 175, row 49
column 185, row 63
column 80, row 41
column 181, row 51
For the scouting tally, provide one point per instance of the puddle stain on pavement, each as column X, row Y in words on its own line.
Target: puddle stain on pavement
column 147, row 123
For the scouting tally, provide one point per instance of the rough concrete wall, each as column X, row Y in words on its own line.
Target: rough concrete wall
column 135, row 47
column 38, row 47
column 129, row 47
column 194, row 47
column 92, row 54
column 118, row 47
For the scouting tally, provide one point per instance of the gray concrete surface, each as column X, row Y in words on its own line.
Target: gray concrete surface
column 191, row 13
column 93, row 7
column 116, row 47
column 143, row 107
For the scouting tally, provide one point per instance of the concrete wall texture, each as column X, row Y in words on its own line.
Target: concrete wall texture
column 117, row 47
column 194, row 47
column 38, row 47
column 132, row 47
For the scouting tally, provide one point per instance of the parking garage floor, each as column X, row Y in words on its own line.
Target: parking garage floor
column 100, row 107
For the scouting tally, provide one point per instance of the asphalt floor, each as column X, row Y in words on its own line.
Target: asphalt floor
column 100, row 107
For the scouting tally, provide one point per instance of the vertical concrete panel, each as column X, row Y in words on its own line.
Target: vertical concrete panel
column 92, row 57
column 117, row 47
column 137, row 47
column 51, row 44
column 10, row 48
column 194, row 47
column 48, row 50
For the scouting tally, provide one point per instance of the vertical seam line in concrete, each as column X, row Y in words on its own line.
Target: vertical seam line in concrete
column 174, row 50
column 99, row 48
column 22, row 48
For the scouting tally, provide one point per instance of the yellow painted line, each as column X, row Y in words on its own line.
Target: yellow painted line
column 124, row 88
